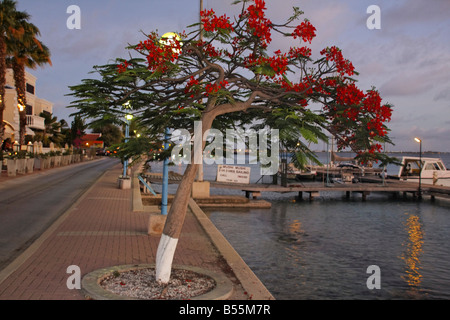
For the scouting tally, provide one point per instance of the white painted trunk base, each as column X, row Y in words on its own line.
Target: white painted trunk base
column 164, row 258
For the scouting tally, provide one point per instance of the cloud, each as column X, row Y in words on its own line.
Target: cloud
column 409, row 12
column 443, row 95
column 405, row 85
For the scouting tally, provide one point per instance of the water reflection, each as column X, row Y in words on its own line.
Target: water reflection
column 411, row 256
column 295, row 226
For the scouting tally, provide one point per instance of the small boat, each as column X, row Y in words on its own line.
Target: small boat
column 431, row 171
column 293, row 173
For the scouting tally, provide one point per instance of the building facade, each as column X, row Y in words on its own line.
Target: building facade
column 33, row 109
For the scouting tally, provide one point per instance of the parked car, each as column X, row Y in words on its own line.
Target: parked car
column 100, row 152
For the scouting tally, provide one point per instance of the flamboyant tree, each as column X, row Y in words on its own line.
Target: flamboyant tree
column 233, row 78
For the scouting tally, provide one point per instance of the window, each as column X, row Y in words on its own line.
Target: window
column 29, row 110
column 30, row 88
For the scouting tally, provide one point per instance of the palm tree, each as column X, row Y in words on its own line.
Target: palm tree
column 10, row 28
column 26, row 52
column 52, row 128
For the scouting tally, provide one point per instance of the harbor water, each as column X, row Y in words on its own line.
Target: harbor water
column 326, row 248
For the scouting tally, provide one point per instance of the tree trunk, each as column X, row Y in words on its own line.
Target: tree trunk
column 2, row 85
column 177, row 213
column 19, row 79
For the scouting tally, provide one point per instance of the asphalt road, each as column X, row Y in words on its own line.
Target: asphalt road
column 30, row 204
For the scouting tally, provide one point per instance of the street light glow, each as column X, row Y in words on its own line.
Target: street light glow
column 418, row 140
column 127, row 105
column 169, row 38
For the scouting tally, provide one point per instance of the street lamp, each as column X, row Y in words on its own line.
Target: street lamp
column 420, row 166
column 169, row 38
column 16, row 146
column 165, row 40
column 165, row 185
column 29, row 147
column 128, row 118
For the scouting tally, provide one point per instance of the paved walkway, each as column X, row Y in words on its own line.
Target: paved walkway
column 103, row 229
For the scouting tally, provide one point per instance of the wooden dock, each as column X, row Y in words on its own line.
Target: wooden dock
column 369, row 185
column 313, row 189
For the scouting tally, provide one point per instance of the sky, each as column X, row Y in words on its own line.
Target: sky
column 407, row 60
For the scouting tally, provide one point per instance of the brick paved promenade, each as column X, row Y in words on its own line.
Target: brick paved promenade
column 101, row 230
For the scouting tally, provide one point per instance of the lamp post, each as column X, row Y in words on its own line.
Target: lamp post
column 420, row 166
column 165, row 185
column 128, row 118
column 166, row 40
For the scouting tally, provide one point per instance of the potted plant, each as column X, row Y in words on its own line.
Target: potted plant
column 67, row 157
column 11, row 165
column 41, row 161
column 51, row 155
column 30, row 162
column 57, row 158
column 21, row 161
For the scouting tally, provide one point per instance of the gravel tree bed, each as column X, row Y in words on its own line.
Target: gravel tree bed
column 141, row 284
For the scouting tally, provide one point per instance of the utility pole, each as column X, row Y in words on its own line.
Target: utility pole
column 200, row 167
column 200, row 16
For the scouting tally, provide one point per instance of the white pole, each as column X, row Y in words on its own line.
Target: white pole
column 200, row 167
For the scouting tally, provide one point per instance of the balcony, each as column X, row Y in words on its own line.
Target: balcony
column 35, row 122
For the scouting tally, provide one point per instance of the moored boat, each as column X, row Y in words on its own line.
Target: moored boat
column 293, row 173
column 429, row 170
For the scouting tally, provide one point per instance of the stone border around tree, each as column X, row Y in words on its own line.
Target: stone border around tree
column 92, row 289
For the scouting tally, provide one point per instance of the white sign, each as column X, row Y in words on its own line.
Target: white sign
column 233, row 174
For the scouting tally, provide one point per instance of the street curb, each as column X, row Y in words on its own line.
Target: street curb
column 90, row 284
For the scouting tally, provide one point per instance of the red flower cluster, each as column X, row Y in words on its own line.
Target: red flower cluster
column 213, row 23
column 299, row 52
column 353, row 106
column 372, row 104
column 278, row 63
column 305, row 30
column 159, row 54
column 214, row 88
column 208, row 49
column 374, row 126
column 296, row 87
column 193, row 87
column 192, row 82
column 343, row 66
column 349, row 95
column 376, row 147
column 373, row 101
column 257, row 23
column 122, row 67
